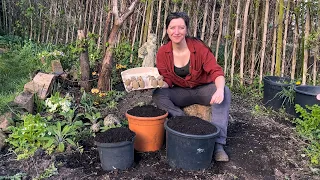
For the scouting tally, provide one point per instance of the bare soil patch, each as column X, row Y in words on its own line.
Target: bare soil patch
column 261, row 146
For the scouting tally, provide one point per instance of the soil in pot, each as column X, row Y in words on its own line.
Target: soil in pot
column 191, row 125
column 146, row 111
column 115, row 135
column 116, row 149
column 147, row 122
column 190, row 142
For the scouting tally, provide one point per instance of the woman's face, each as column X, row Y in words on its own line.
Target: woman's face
column 177, row 30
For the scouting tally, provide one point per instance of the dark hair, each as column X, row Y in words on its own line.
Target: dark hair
column 175, row 15
column 185, row 17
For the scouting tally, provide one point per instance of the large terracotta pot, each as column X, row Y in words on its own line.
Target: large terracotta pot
column 149, row 132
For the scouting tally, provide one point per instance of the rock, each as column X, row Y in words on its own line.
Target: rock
column 4, row 122
column 25, row 100
column 57, row 67
column 148, row 51
column 41, row 84
column 111, row 119
column 201, row 111
column 2, row 139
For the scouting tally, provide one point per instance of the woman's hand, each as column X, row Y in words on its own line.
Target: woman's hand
column 218, row 96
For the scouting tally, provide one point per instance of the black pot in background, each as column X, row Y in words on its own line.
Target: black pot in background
column 189, row 152
column 307, row 95
column 273, row 85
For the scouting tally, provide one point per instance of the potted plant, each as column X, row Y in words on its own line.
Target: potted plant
column 307, row 95
column 147, row 122
column 278, row 92
column 115, row 147
column 190, row 142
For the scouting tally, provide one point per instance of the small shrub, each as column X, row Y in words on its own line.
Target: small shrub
column 308, row 126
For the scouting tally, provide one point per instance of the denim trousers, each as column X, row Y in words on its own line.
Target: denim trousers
column 175, row 98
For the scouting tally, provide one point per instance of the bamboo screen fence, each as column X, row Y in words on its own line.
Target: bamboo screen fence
column 250, row 38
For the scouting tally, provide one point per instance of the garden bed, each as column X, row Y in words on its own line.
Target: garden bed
column 260, row 147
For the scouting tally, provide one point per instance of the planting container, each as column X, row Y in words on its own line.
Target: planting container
column 118, row 155
column 189, row 152
column 273, row 85
column 149, row 132
column 307, row 95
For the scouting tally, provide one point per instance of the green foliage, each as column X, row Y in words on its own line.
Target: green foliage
column 60, row 135
column 50, row 171
column 93, row 117
column 105, row 128
column 287, row 94
column 58, row 104
column 17, row 176
column 308, row 126
column 87, row 102
column 26, row 137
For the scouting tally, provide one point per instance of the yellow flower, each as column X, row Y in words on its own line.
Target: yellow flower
column 95, row 103
column 101, row 94
column 95, row 90
column 298, row 83
column 94, row 73
column 120, row 66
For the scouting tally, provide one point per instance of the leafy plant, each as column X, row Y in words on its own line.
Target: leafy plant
column 17, row 176
column 50, row 171
column 87, row 101
column 308, row 126
column 287, row 94
column 26, row 138
column 59, row 136
column 94, row 119
column 58, row 104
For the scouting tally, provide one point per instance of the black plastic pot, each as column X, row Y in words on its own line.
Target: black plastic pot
column 118, row 155
column 307, row 95
column 189, row 152
column 273, row 85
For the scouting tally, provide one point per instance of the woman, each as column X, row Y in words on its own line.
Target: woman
column 192, row 76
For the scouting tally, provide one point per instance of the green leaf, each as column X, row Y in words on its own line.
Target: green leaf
column 71, row 142
column 61, row 147
column 49, row 143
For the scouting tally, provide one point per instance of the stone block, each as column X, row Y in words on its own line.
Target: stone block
column 25, row 100
column 2, row 139
column 201, row 111
column 57, row 67
column 41, row 84
column 4, row 121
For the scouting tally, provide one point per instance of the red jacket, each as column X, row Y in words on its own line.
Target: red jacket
column 203, row 65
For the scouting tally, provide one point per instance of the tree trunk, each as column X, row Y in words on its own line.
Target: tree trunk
column 106, row 31
column 106, row 69
column 295, row 46
column 286, row 24
column 195, row 20
column 234, row 47
column 182, row 6
column 317, row 53
column 204, row 23
column 306, row 50
column 212, row 23
column 264, row 39
column 84, row 61
column 254, row 39
column 166, row 9
column 274, row 41
column 146, row 22
column 143, row 23
column 220, row 28
column 227, row 37
column 150, row 19
column 243, row 39
column 158, row 20
column 100, row 24
column 94, row 24
column 279, row 37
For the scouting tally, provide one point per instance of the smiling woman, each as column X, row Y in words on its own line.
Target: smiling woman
column 191, row 75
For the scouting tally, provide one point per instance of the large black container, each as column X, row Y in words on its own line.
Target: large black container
column 189, row 152
column 118, row 155
column 273, row 85
column 307, row 95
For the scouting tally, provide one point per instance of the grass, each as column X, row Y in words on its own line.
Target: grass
column 16, row 65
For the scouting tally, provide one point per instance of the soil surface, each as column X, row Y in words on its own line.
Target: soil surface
column 260, row 145
column 191, row 125
column 115, row 135
column 146, row 111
